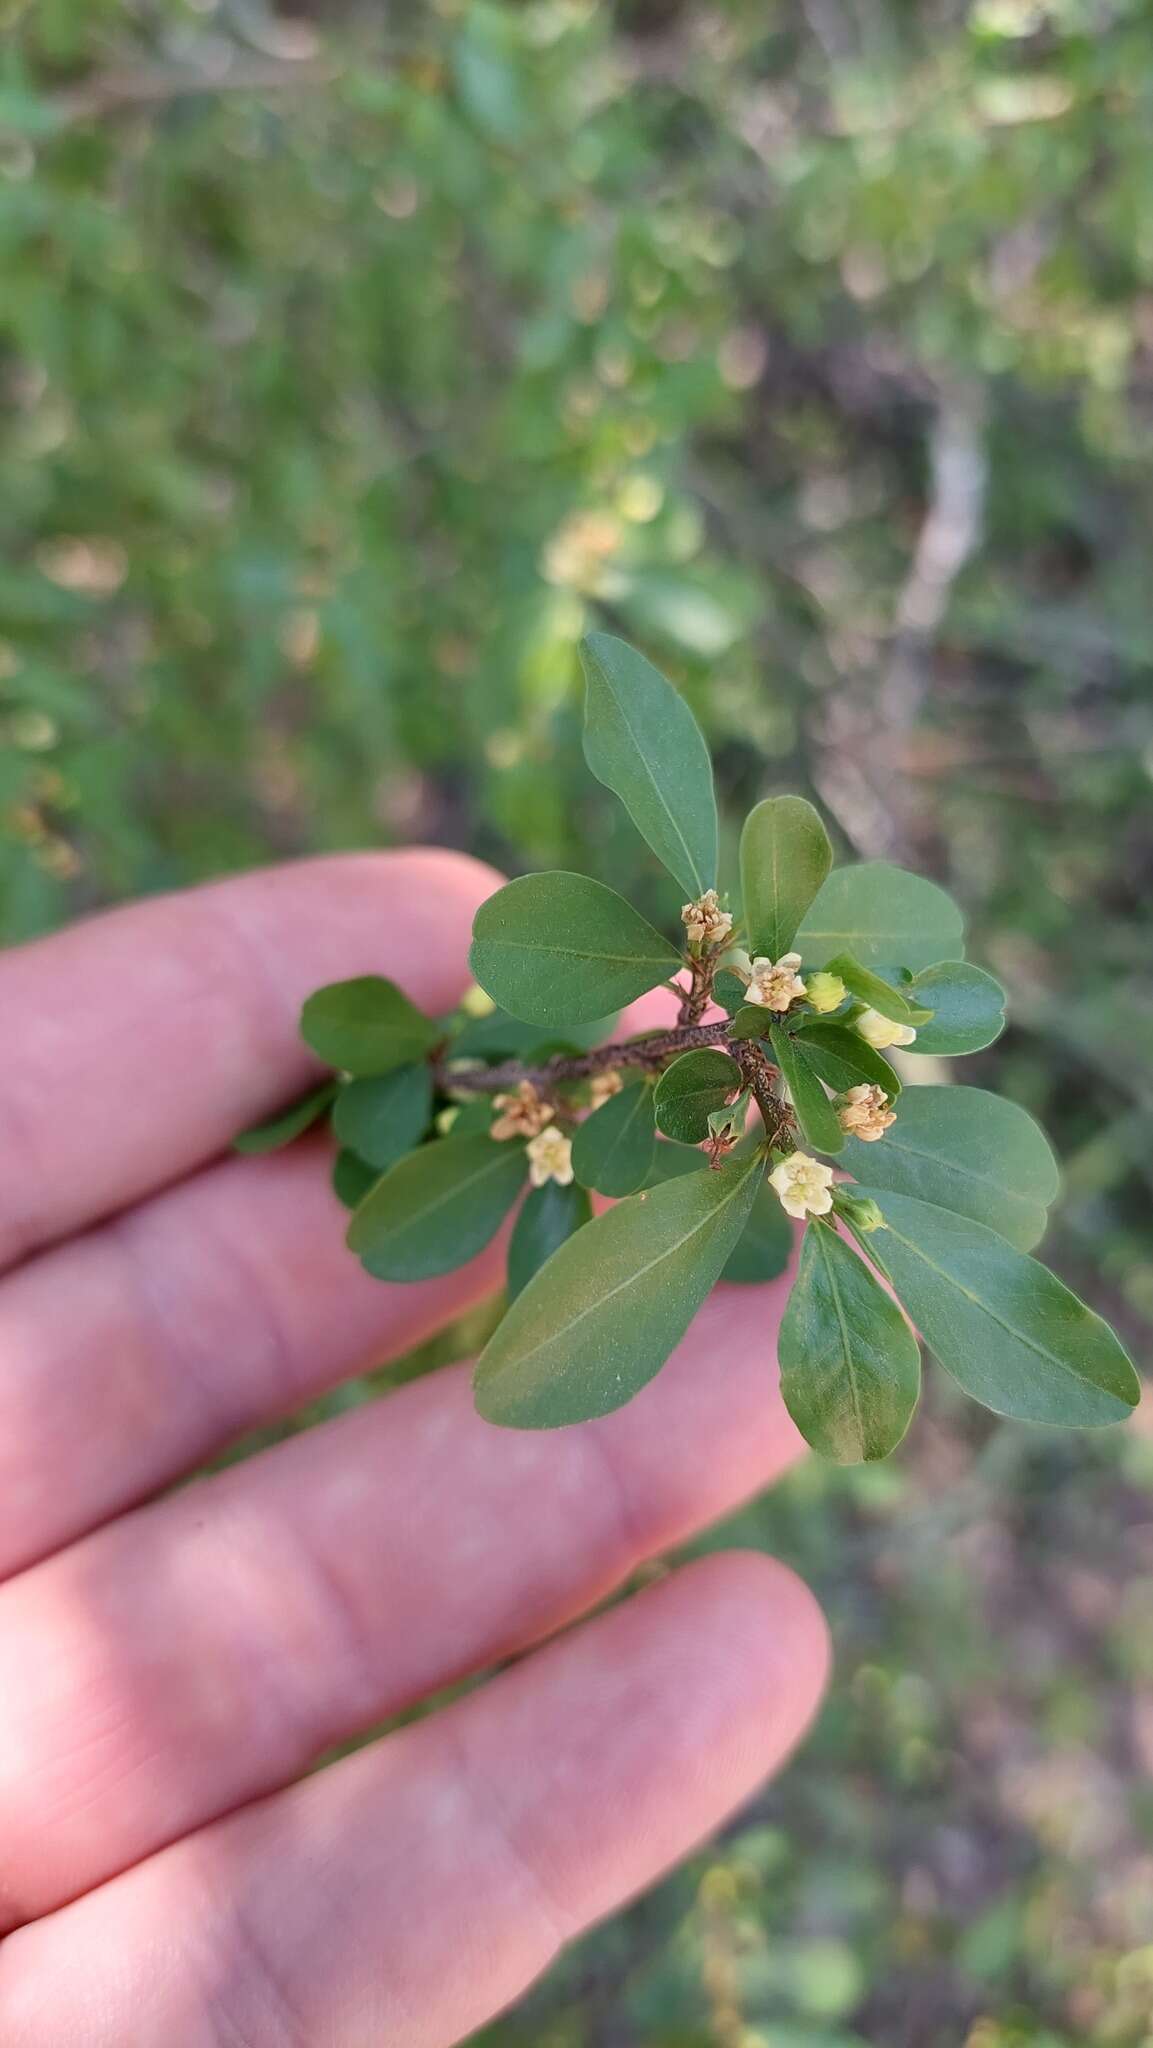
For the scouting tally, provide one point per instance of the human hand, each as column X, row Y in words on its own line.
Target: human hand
column 168, row 1671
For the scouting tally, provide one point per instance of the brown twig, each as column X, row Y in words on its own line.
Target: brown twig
column 651, row 1052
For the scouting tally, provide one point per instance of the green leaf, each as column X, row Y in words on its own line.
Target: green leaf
column 815, row 1114
column 968, row 1008
column 642, row 741
column 601, row 1318
column 752, row 1020
column 879, row 994
column 670, row 1162
column 282, row 1129
column 438, row 1207
column 844, row 1060
column 850, row 1365
column 883, row 916
column 547, row 1217
column 690, row 1089
column 613, row 1148
column 366, row 1026
column 352, row 1178
column 1008, row 1331
column 559, row 948
column 729, row 991
column 383, row 1118
column 762, row 1250
column 501, row 1037
column 785, row 857
column 968, row 1151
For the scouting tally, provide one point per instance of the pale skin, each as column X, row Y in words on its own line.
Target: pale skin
column 173, row 1662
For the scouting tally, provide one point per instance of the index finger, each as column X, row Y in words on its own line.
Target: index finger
column 139, row 1042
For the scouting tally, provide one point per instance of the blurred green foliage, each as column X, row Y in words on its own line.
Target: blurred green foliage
column 352, row 362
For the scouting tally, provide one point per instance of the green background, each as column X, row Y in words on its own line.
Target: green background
column 352, row 363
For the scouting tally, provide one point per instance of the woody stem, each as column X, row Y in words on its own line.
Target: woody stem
column 649, row 1053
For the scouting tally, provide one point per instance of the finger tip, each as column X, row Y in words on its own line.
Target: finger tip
column 764, row 1638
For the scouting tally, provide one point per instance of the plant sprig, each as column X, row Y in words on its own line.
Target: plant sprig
column 709, row 1135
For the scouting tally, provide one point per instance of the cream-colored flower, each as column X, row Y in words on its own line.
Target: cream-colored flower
column 804, row 1185
column 825, row 991
column 603, row 1086
column 705, row 922
column 865, row 1113
column 550, row 1158
column 524, row 1114
column 774, row 986
column 880, row 1032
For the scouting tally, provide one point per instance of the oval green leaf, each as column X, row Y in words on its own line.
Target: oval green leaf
column 437, row 1208
column 1007, row 1329
column 559, row 948
column 785, row 857
column 613, row 1148
column 642, row 741
column 878, row 993
column 850, row 1364
column 844, row 1060
column 601, row 1318
column 281, row 1130
column 968, row 1008
column 547, row 1217
column 967, row 1151
column 384, row 1117
column 365, row 1026
column 818, row 1120
column 352, row 1178
column 765, row 1244
column 883, row 916
column 690, row 1089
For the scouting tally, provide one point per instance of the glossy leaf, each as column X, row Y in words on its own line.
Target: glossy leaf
column 690, row 1089
column 613, row 1148
column 558, row 948
column 883, row 916
column 729, row 990
column 352, row 1178
column 967, row 1151
column 366, row 1026
column 968, row 1008
column 438, row 1207
column 844, row 1060
column 764, row 1246
column 671, row 1162
column 546, row 1218
column 1007, row 1329
column 384, row 1117
column 850, row 1364
column 819, row 1125
column 785, row 857
column 642, row 741
column 600, row 1319
column 878, row 993
column 280, row 1130
column 752, row 1020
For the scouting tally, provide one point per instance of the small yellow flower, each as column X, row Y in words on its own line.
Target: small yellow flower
column 705, row 922
column 550, row 1158
column 880, row 1032
column 825, row 991
column 602, row 1086
column 524, row 1114
column 775, row 986
column 865, row 1113
column 804, row 1185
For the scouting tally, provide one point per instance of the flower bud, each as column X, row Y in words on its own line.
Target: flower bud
column 825, row 991
column 476, row 1002
column 859, row 1210
column 881, row 1032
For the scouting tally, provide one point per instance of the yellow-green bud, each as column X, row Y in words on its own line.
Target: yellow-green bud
column 476, row 1002
column 825, row 991
column 446, row 1120
column 859, row 1210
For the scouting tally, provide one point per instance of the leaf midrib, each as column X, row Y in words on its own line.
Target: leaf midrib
column 455, row 1188
column 556, row 952
column 966, row 1173
column 638, row 1273
column 850, row 1369
column 674, row 821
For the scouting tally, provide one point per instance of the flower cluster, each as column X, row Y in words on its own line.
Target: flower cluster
column 603, row 1086
column 523, row 1115
column 804, row 1185
column 706, row 924
column 864, row 1113
column 775, row 985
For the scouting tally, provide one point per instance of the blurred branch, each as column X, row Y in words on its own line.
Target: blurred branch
column 118, row 90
